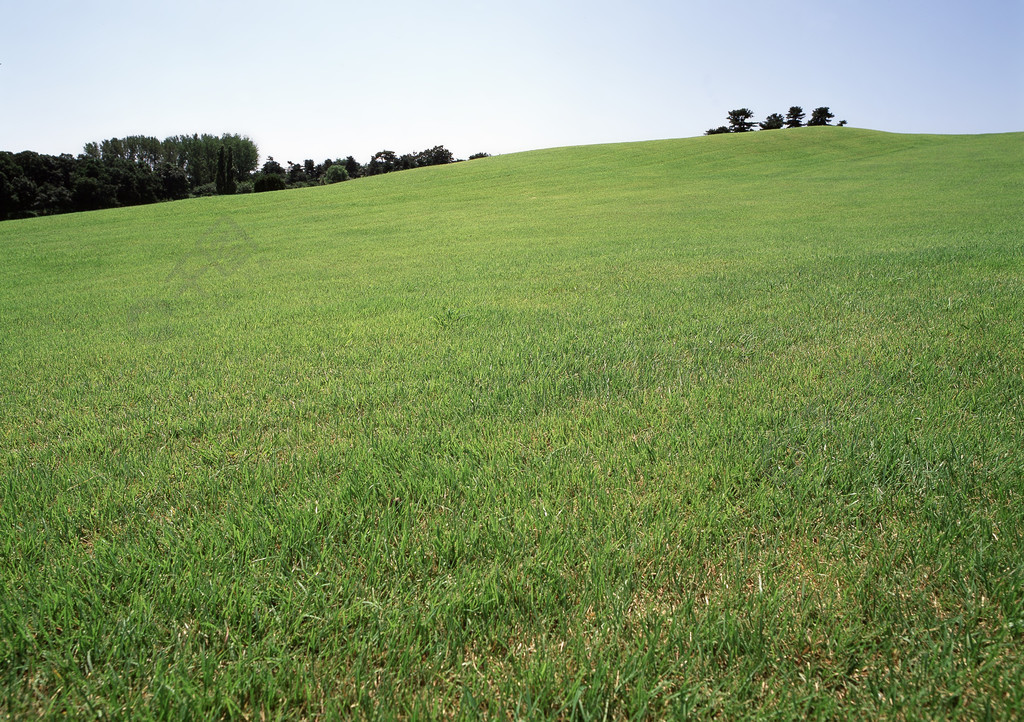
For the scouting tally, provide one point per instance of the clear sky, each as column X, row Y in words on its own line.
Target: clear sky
column 318, row 79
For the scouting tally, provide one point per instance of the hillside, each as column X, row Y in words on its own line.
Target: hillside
column 727, row 425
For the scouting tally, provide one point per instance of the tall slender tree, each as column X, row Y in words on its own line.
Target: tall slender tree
column 230, row 184
column 221, row 179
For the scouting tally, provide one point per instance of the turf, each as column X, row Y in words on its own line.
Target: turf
column 725, row 427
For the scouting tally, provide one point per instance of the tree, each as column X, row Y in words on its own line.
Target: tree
column 221, row 180
column 335, row 173
column 173, row 182
column 740, row 120
column 475, row 156
column 383, row 161
column 717, row 131
column 772, row 122
column 112, row 148
column 230, row 184
column 12, row 181
column 272, row 167
column 89, row 194
column 795, row 117
column 245, row 152
column 52, row 199
column 353, row 167
column 407, row 161
column 438, row 155
column 199, row 156
column 91, row 189
column 820, row 116
column 141, row 149
column 296, row 175
column 134, row 183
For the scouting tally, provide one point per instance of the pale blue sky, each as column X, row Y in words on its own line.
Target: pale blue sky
column 321, row 79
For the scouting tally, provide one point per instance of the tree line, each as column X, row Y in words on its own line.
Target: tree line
column 741, row 120
column 118, row 172
column 273, row 176
column 137, row 170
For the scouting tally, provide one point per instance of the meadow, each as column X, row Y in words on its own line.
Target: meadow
column 724, row 427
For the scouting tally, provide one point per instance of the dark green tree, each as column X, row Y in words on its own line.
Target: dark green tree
column 772, row 122
column 438, row 155
column 717, row 131
column 272, row 167
column 91, row 189
column 112, row 148
column 12, row 182
column 268, row 182
column 134, row 183
column 353, row 167
column 795, row 117
column 173, row 182
column 90, row 194
column 230, row 182
column 295, row 174
column 383, row 161
column 407, row 161
column 741, row 120
column 820, row 116
column 221, row 179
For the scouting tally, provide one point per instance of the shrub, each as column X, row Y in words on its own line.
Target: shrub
column 268, row 182
column 336, row 174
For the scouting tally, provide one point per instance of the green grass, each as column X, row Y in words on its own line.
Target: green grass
column 725, row 426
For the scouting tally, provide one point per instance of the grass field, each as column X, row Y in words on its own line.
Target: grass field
column 727, row 427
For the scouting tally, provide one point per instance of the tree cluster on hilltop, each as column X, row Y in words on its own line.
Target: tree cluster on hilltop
column 741, row 120
column 137, row 170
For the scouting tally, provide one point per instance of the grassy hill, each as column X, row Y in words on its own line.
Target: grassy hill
column 728, row 426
